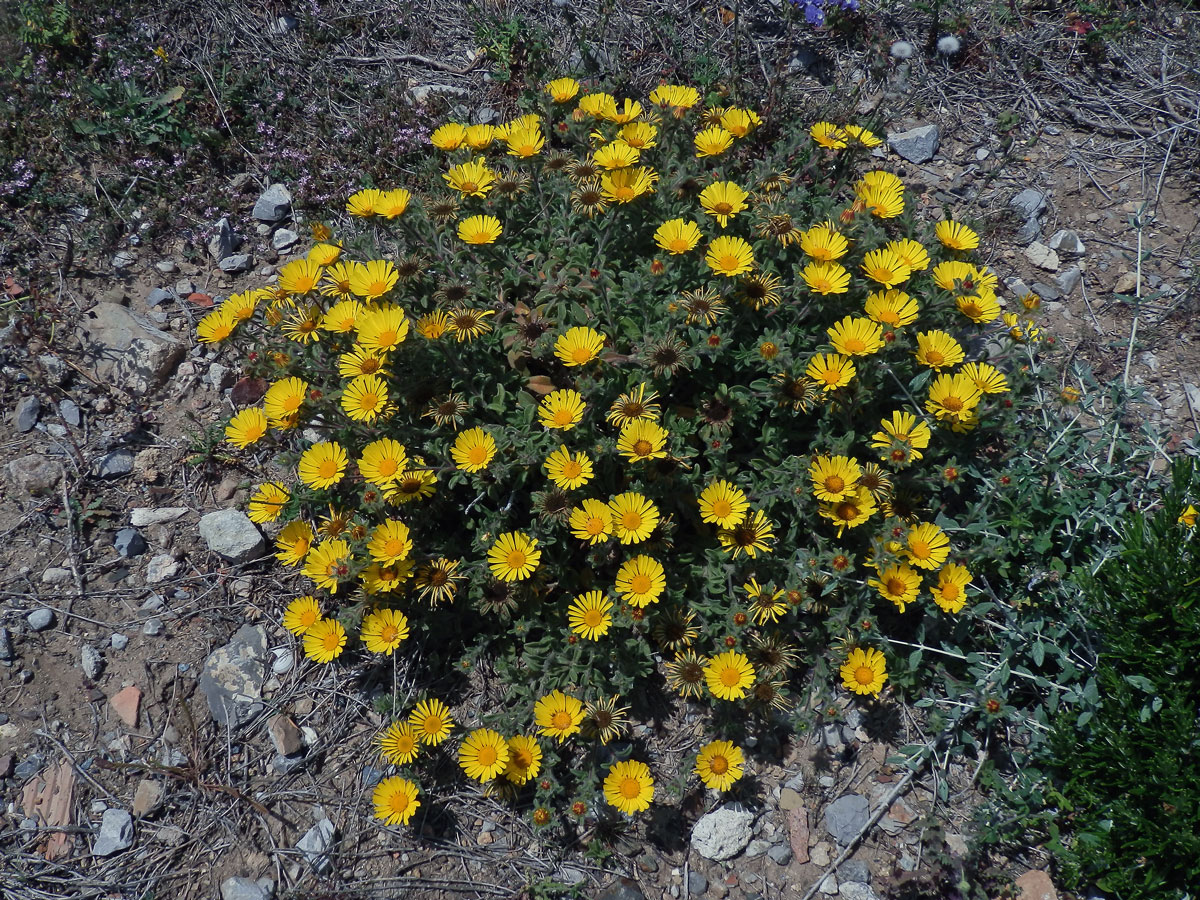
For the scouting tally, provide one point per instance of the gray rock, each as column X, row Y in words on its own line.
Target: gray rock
column 1029, row 203
column 832, row 735
column 40, row 619
column 230, row 533
column 371, row 776
column 829, row 885
column 129, row 542
column 233, row 675
column 1066, row 242
column 70, row 412
column 118, row 641
column 284, row 239
column 148, row 797
column 854, row 870
column 723, row 833
column 166, row 266
column 780, row 854
column 115, row 464
column 1068, row 279
column 185, row 286
column 570, row 876
column 796, row 782
column 286, row 765
column 221, row 244
column 917, row 145
column 422, row 92
column 846, row 816
column 982, row 153
column 697, row 883
column 127, row 349
column 143, row 516
column 91, row 661
column 153, row 626
column 220, row 376
column 756, row 848
column 6, row 647
column 158, row 297
column 856, row 890
column 123, row 259
column 1042, row 256
column 622, row 889
column 238, row 262
column 239, row 888
column 1047, row 292
column 161, row 568
column 116, row 833
column 56, row 575
column 28, row 767
column 26, row 412
column 1030, row 231
column 273, row 204
column 317, row 844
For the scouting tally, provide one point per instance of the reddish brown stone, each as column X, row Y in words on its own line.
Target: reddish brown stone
column 127, row 704
column 798, row 833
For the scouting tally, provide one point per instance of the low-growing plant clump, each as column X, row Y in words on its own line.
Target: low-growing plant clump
column 646, row 403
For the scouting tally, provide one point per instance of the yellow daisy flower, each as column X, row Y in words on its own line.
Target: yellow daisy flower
column 562, row 90
column 753, row 535
column 301, row 614
column 395, row 800
column 558, row 715
column 938, row 350
column 830, row 370
column 885, row 267
column 450, row 136
column 730, row 256
column 300, row 276
column 383, row 461
column 324, row 641
column 514, row 556
column 591, row 521
column 431, row 721
column 712, row 141
column 864, row 672
column 327, row 563
column 616, row 155
column 524, row 759
column 267, row 502
column 856, row 336
column 826, row 277
column 579, row 346
column 892, row 308
column 677, row 236
column 365, row 398
column 955, row 235
column 642, row 439
column 629, row 787
column 723, row 200
column 362, row 203
column 384, row 630
column 851, row 511
column 390, row 542
column 568, row 471
column 723, row 504
column 246, row 427
column 719, row 764
column 824, row 244
column 898, row 583
column 634, row 517
column 729, row 675
column 828, row 135
column 471, row 179
column 626, row 185
column 588, row 615
column 398, row 744
column 641, row 581
column 293, row 543
column 473, row 450
column 561, row 410
column 392, row 204
column 950, row 592
column 483, row 754
column 323, row 465
column 834, row 477
column 383, row 329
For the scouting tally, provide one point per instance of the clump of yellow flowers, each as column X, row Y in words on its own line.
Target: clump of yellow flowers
column 637, row 398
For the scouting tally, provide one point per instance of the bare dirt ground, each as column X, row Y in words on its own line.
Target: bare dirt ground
column 101, row 707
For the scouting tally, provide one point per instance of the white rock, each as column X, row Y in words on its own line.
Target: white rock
column 1067, row 242
column 273, row 204
column 1042, row 256
column 161, row 568
column 723, row 833
column 143, row 516
column 284, row 239
column 856, row 890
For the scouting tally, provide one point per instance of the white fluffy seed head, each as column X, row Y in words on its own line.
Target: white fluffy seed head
column 903, row 50
column 948, row 45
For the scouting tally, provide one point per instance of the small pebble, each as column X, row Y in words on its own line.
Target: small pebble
column 40, row 619
column 118, row 641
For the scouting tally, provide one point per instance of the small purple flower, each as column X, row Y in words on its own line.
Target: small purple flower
column 814, row 10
